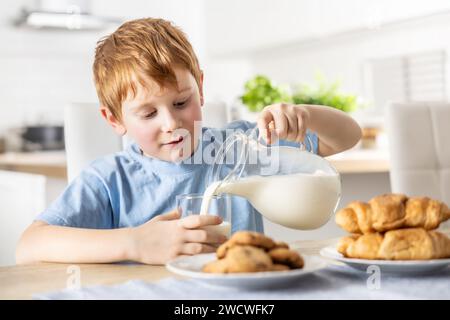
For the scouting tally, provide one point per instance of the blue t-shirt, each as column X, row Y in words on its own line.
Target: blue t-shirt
column 127, row 189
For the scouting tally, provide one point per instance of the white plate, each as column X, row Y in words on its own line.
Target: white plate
column 389, row 266
column 192, row 267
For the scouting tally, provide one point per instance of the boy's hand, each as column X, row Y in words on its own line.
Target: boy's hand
column 166, row 237
column 283, row 121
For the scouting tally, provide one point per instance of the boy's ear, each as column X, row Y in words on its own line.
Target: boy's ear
column 113, row 121
column 202, row 100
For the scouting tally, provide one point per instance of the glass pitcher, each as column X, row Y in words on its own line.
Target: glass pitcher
column 289, row 186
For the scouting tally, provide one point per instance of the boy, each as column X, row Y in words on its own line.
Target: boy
column 122, row 206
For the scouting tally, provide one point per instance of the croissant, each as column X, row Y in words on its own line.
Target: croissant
column 401, row 244
column 392, row 211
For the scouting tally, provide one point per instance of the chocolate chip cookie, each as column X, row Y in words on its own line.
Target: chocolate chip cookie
column 241, row 259
column 286, row 257
column 246, row 238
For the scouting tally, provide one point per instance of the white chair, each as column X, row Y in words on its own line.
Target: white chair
column 22, row 196
column 419, row 149
column 88, row 136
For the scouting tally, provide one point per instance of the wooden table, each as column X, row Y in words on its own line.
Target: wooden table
column 21, row 282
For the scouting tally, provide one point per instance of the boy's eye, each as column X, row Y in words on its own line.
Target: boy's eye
column 150, row 115
column 180, row 104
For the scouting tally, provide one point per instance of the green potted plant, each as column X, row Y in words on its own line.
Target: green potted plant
column 260, row 92
column 326, row 94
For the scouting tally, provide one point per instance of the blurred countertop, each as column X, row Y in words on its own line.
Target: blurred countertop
column 48, row 163
column 361, row 161
column 53, row 163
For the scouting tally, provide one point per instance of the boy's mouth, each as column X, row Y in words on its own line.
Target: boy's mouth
column 175, row 141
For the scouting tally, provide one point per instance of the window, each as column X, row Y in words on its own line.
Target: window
column 416, row 77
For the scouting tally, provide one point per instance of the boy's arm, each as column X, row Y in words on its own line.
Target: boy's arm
column 336, row 130
column 44, row 242
column 155, row 242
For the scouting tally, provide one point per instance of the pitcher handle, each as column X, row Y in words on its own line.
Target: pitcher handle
column 303, row 144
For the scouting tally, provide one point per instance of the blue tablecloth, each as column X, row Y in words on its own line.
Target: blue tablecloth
column 334, row 282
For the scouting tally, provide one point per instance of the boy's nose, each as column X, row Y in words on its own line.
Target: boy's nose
column 170, row 123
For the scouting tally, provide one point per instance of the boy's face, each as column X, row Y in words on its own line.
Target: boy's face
column 157, row 118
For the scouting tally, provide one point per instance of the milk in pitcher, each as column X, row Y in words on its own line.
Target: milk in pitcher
column 299, row 201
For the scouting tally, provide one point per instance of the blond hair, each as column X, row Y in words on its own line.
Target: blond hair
column 137, row 49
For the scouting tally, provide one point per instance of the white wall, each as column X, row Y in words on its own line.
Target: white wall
column 291, row 40
column 224, row 78
column 239, row 26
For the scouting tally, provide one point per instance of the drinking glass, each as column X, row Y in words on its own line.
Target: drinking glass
column 220, row 205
